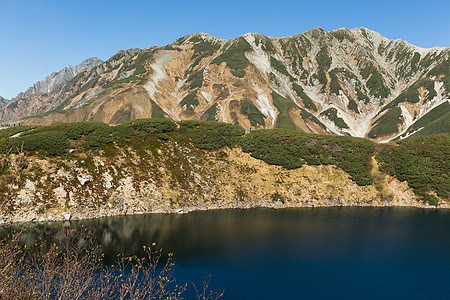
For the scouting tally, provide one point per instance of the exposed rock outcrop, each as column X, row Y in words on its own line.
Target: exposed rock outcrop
column 346, row 82
column 176, row 177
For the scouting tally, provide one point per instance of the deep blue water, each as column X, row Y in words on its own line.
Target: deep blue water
column 305, row 253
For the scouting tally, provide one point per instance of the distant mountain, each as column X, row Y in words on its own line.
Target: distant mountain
column 42, row 89
column 345, row 82
column 3, row 102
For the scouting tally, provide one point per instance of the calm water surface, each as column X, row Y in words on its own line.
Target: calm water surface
column 307, row 253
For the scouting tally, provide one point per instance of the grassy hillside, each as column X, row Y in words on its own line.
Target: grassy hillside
column 421, row 161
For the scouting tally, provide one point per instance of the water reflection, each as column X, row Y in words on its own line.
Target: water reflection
column 349, row 249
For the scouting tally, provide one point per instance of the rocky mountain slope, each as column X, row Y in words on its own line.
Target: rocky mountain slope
column 34, row 98
column 346, row 82
column 3, row 102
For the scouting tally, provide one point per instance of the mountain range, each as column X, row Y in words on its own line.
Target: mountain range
column 345, row 82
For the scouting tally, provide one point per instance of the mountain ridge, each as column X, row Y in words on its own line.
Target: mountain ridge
column 345, row 82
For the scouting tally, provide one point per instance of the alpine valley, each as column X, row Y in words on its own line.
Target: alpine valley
column 344, row 82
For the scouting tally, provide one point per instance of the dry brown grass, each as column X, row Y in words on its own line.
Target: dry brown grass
column 73, row 269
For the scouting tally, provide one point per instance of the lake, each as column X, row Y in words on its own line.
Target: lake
column 302, row 253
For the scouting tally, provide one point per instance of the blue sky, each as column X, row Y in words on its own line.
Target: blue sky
column 40, row 37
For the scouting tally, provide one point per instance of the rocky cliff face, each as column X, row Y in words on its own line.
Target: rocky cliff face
column 31, row 101
column 345, row 82
column 3, row 102
column 176, row 177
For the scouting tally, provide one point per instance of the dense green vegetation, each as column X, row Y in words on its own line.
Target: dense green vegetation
column 234, row 55
column 8, row 132
column 362, row 96
column 238, row 73
column 196, row 79
column 423, row 162
column 307, row 115
column 210, row 113
column 210, row 135
column 57, row 139
column 323, row 58
column 376, row 83
column 435, row 121
column 306, row 100
column 283, row 105
column 202, row 49
column 386, row 124
column 279, row 66
column 190, row 100
column 291, row 149
column 331, row 114
column 342, row 34
column 253, row 114
column 353, row 106
column 157, row 112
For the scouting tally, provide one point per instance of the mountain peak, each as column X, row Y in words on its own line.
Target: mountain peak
column 193, row 37
column 56, row 79
column 346, row 82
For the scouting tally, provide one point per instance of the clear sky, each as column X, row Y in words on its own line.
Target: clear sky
column 41, row 37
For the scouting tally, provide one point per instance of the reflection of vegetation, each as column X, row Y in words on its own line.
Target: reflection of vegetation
column 72, row 268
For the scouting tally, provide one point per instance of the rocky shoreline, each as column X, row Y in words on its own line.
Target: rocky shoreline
column 181, row 179
column 102, row 213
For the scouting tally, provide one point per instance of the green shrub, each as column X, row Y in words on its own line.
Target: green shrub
column 283, row 105
column 210, row 113
column 254, row 115
column 331, row 114
column 196, row 79
column 306, row 100
column 8, row 132
column 157, row 112
column 210, row 135
column 234, row 55
column 423, row 162
column 353, row 106
column 238, row 73
column 279, row 66
column 190, row 101
column 291, row 149
column 386, row 124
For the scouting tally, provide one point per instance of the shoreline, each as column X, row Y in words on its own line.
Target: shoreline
column 104, row 213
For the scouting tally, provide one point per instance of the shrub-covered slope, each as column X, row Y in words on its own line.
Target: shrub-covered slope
column 89, row 169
